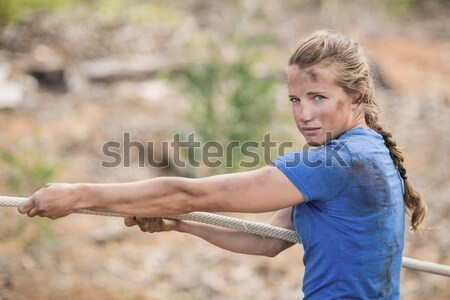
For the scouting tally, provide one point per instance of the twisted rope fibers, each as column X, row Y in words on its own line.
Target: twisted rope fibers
column 250, row 227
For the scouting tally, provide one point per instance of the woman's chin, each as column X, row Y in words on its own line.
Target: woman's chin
column 314, row 143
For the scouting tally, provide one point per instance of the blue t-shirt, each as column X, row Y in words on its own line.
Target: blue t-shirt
column 352, row 223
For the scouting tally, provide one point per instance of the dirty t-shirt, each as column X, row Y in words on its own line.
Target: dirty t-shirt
column 352, row 222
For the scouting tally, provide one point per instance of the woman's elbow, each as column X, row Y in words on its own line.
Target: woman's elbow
column 268, row 247
column 276, row 248
column 272, row 253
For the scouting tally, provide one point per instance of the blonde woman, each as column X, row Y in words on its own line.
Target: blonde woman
column 345, row 197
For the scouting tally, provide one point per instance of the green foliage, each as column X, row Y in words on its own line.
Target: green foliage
column 408, row 8
column 14, row 10
column 229, row 101
column 229, row 87
column 43, row 235
column 27, row 169
column 399, row 7
column 34, row 233
column 135, row 11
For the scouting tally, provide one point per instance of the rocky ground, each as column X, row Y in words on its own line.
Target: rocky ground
column 69, row 83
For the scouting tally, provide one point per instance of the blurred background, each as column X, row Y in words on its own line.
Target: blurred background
column 77, row 74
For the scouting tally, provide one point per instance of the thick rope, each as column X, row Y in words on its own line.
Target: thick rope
column 250, row 227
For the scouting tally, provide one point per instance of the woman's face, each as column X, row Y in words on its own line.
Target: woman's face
column 322, row 110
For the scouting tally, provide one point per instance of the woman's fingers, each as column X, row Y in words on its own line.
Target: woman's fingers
column 32, row 212
column 142, row 222
column 155, row 225
column 129, row 221
column 151, row 225
column 26, row 206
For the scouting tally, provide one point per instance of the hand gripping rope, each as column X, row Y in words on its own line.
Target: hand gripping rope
column 250, row 227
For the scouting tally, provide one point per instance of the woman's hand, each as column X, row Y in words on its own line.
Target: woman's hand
column 54, row 200
column 152, row 225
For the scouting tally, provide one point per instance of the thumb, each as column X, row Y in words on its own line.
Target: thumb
column 26, row 206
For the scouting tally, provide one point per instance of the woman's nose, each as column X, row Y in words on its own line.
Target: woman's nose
column 303, row 113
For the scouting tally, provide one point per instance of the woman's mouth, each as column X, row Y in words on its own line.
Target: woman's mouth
column 310, row 130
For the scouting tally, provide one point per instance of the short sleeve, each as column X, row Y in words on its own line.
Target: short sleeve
column 319, row 174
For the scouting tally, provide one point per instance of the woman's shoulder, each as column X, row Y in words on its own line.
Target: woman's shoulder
column 360, row 140
column 359, row 134
column 352, row 144
column 366, row 147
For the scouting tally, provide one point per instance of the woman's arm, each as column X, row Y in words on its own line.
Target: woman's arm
column 263, row 190
column 227, row 239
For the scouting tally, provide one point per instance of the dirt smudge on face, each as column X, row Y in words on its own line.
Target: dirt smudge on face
column 312, row 74
column 340, row 105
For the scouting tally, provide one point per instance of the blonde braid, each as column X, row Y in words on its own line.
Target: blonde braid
column 415, row 205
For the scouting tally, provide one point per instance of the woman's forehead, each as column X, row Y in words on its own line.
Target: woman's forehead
column 317, row 73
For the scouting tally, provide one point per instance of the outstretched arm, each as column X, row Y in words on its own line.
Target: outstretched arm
column 227, row 239
column 263, row 190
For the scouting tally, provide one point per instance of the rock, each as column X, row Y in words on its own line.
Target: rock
column 12, row 94
column 114, row 68
column 48, row 67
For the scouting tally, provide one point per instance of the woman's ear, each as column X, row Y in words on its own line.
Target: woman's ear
column 357, row 99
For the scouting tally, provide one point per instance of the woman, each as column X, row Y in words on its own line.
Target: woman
column 345, row 198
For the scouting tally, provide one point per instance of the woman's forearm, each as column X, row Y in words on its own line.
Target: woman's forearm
column 163, row 196
column 235, row 241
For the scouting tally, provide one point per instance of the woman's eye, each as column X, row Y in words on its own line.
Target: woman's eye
column 293, row 100
column 319, row 97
